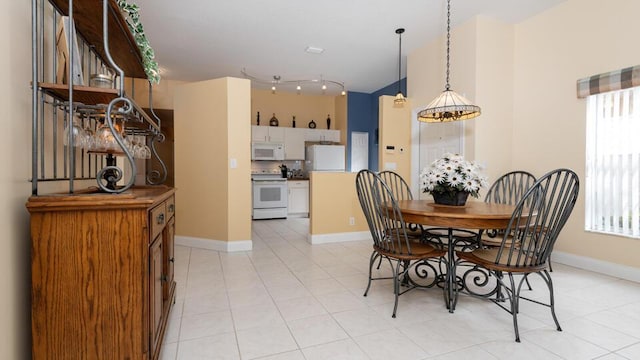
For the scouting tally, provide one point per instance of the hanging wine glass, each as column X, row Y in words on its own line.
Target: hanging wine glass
column 77, row 132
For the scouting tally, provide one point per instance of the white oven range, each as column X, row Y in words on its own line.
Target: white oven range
column 269, row 196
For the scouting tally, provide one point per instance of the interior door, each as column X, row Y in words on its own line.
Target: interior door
column 436, row 139
column 359, row 150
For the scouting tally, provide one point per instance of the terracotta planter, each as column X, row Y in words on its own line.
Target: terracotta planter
column 457, row 199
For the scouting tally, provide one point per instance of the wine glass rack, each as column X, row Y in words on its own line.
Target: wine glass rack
column 98, row 34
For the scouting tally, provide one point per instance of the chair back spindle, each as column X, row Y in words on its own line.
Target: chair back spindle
column 537, row 220
column 382, row 213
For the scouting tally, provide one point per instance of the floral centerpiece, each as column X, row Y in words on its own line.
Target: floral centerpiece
column 451, row 179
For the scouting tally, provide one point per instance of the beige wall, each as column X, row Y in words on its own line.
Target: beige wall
column 15, row 145
column 330, row 214
column 163, row 93
column 577, row 38
column 526, row 87
column 395, row 130
column 341, row 117
column 285, row 105
column 213, row 201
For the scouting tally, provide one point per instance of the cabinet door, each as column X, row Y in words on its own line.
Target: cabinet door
column 313, row 135
column 332, row 135
column 155, row 291
column 276, row 134
column 168, row 258
column 294, row 143
column 298, row 197
column 259, row 133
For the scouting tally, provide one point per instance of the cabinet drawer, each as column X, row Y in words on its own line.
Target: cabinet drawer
column 171, row 207
column 158, row 219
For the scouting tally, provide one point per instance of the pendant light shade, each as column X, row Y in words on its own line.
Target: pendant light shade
column 400, row 99
column 449, row 106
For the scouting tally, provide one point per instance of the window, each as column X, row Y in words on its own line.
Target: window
column 613, row 163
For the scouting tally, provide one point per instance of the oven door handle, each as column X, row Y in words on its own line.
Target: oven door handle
column 270, row 182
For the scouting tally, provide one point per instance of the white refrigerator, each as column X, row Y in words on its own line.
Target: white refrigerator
column 325, row 158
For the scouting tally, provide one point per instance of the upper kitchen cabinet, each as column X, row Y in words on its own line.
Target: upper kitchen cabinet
column 294, row 139
column 267, row 133
column 322, row 135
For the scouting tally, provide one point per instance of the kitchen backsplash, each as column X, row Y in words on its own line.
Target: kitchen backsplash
column 295, row 167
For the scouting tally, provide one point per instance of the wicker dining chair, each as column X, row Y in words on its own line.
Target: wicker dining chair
column 389, row 233
column 535, row 224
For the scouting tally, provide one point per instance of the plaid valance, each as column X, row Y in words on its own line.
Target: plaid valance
column 610, row 81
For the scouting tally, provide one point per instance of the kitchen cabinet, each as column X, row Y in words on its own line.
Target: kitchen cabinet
column 294, row 139
column 101, row 273
column 322, row 135
column 267, row 133
column 298, row 198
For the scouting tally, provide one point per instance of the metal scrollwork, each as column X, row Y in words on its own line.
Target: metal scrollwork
column 111, row 171
column 476, row 281
column 156, row 177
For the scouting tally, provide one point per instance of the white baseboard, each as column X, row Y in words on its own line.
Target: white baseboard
column 217, row 245
column 599, row 266
column 338, row 237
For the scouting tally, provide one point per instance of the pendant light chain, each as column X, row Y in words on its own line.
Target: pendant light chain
column 400, row 61
column 447, row 87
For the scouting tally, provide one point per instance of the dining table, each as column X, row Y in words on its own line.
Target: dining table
column 472, row 218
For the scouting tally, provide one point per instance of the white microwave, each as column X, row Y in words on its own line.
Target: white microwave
column 267, row 151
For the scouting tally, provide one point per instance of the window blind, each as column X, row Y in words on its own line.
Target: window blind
column 613, row 163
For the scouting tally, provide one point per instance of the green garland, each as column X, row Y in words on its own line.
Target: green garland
column 133, row 21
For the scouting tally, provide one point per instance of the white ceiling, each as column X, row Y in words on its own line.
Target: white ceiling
column 205, row 39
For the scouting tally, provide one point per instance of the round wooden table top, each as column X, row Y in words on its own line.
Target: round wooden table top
column 473, row 215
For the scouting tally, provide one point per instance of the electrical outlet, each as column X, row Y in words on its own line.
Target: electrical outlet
column 352, row 221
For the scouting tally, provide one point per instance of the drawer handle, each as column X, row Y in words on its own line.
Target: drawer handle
column 172, row 208
column 160, row 219
column 172, row 260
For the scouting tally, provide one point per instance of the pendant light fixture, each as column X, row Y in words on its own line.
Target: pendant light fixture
column 400, row 99
column 448, row 106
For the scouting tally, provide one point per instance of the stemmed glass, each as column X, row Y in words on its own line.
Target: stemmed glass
column 78, row 133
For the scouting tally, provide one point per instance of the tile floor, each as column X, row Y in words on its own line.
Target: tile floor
column 289, row 300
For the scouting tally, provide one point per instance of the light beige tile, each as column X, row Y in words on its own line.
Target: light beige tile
column 597, row 334
column 564, row 345
column 202, row 325
column 340, row 301
column 256, row 316
column 169, row 351
column 263, row 341
column 292, row 355
column 213, row 302
column 299, row 308
column 339, row 350
column 390, row 344
column 316, row 330
column 508, row 349
column 217, row 347
column 363, row 321
column 631, row 352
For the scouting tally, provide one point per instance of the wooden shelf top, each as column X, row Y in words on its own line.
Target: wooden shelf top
column 87, row 15
column 90, row 96
column 82, row 94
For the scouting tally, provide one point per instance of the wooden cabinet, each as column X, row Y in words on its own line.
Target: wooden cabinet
column 298, row 198
column 267, row 133
column 294, row 139
column 102, row 273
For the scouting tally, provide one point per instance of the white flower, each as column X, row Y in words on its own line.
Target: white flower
column 451, row 174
